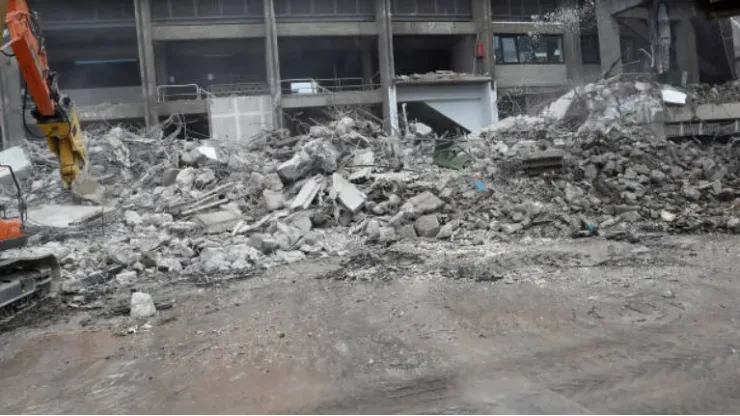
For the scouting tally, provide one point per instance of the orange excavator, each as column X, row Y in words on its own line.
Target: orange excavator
column 25, row 280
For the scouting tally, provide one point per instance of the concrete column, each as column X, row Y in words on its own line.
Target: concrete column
column 272, row 60
column 484, row 36
column 387, row 65
column 686, row 51
column 609, row 45
column 572, row 50
column 143, row 12
column 735, row 23
column 11, row 102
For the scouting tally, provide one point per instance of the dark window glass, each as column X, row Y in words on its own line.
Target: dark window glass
column 523, row 49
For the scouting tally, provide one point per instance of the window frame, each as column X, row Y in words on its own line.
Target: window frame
column 499, row 46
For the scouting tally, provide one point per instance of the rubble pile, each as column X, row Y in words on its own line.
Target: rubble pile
column 204, row 210
column 714, row 94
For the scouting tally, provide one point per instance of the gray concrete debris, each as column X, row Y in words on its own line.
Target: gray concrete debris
column 307, row 194
column 362, row 165
column 273, row 200
column 169, row 176
column 372, row 229
column 422, row 129
column 133, row 218
column 63, row 216
column 186, row 178
column 142, row 306
column 427, row 226
column 217, row 222
column 296, row 168
column 348, row 195
column 448, row 229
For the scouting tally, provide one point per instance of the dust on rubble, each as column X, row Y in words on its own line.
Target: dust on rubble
column 205, row 211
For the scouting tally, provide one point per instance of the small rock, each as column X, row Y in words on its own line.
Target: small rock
column 387, row 234
column 406, row 231
column 692, row 194
column 510, row 229
column 424, row 203
column 448, row 229
column 657, row 176
column 290, row 257
column 205, row 178
column 156, row 220
column 631, row 216
column 169, row 265
column 185, row 178
column 427, row 226
column 142, row 305
column 733, row 224
column 126, row 278
column 372, row 229
column 132, row 218
column 667, row 216
column 274, row 200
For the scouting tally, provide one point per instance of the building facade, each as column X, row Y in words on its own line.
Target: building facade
column 147, row 59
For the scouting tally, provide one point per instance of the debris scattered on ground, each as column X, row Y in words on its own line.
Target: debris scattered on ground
column 201, row 211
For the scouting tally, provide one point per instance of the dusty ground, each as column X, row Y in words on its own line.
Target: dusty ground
column 587, row 326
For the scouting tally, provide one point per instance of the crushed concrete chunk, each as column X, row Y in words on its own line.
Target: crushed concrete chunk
column 295, row 168
column 347, row 193
column 16, row 158
column 427, row 226
column 424, row 203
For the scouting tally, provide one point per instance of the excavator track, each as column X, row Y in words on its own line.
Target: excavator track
column 25, row 282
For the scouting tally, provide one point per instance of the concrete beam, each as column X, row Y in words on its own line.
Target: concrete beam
column 621, row 6
column 704, row 112
column 327, row 29
column 142, row 9
column 524, row 28
column 434, row 28
column 572, row 50
column 339, row 98
column 687, row 54
column 133, row 111
column 208, row 32
column 167, row 108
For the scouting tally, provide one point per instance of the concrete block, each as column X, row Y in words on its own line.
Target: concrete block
column 349, row 196
column 17, row 159
column 427, row 226
column 273, row 200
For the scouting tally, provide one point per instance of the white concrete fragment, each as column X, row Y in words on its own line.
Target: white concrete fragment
column 560, row 107
column 208, row 151
column 670, row 96
column 307, row 194
column 132, row 218
column 126, row 278
column 422, row 129
column 349, row 196
column 16, row 158
column 142, row 305
column 295, row 168
column 185, row 178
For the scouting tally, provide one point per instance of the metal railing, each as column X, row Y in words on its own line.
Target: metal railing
column 239, row 89
column 323, row 86
column 181, row 92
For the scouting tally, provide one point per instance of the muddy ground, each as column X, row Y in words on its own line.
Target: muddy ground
column 584, row 326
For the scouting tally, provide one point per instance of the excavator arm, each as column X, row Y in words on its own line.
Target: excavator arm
column 55, row 114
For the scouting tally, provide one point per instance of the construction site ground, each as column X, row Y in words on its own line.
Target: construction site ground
column 571, row 326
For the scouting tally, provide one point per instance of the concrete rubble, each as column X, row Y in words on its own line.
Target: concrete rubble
column 201, row 211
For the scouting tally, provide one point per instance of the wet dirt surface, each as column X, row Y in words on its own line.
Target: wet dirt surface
column 585, row 326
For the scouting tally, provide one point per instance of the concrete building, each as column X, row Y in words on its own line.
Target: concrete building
column 240, row 65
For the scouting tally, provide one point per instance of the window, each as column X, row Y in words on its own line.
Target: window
column 524, row 49
column 590, row 50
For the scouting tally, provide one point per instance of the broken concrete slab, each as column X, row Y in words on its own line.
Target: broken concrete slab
column 64, row 215
column 217, row 222
column 307, row 193
column 348, row 195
